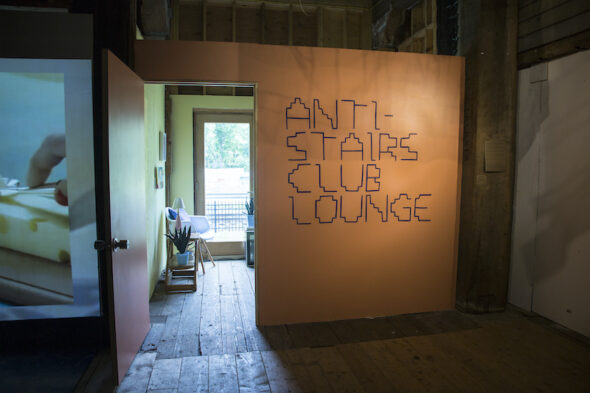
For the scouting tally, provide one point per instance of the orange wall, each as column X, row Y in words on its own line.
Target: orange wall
column 336, row 269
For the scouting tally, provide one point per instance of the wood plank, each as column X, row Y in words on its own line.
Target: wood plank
column 408, row 325
column 312, row 335
column 251, row 275
column 223, row 374
column 227, row 285
column 232, row 330
column 172, row 311
column 174, row 303
column 535, row 7
column 310, row 376
column 210, row 278
column 158, row 301
column 418, row 22
column 153, row 337
column 366, row 35
column 354, row 28
column 165, row 374
column 191, row 314
column 365, row 329
column 251, row 373
column 460, row 354
column 247, row 24
column 276, row 26
column 305, row 29
column 219, row 23
column 448, row 321
column 493, row 353
column 431, row 323
column 187, row 341
column 280, row 377
column 138, row 375
column 333, row 27
column 552, row 368
column 278, row 337
column 427, row 373
column 241, row 280
column 335, row 369
column 194, row 375
column 553, row 16
column 554, row 50
column 187, row 345
column 210, row 339
column 399, row 374
column 262, row 22
column 364, row 369
column 456, row 372
column 255, row 339
column 200, row 281
column 190, row 23
column 559, row 30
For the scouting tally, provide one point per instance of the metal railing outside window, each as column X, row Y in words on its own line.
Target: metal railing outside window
column 226, row 212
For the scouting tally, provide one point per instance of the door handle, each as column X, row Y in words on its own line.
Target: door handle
column 115, row 245
column 120, row 244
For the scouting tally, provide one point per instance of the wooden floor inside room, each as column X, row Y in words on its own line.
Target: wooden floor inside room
column 207, row 341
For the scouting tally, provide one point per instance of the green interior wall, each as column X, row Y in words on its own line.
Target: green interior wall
column 155, row 198
column 181, row 136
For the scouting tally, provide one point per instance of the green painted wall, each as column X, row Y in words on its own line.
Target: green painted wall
column 155, row 198
column 181, row 137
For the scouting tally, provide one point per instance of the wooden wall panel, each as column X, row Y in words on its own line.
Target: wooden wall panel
column 333, row 28
column 248, row 24
column 548, row 29
column 276, row 26
column 305, row 29
column 354, row 30
column 530, row 8
column 190, row 24
column 219, row 23
column 414, row 29
column 557, row 31
column 558, row 14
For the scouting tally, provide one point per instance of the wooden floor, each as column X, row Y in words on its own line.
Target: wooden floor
column 208, row 342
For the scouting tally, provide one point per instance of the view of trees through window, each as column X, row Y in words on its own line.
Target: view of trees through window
column 227, row 145
column 227, row 175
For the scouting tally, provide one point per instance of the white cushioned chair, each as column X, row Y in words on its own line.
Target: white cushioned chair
column 200, row 229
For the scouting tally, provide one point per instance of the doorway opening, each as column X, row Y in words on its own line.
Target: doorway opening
column 224, row 181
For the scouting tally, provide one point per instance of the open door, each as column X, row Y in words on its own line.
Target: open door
column 127, row 278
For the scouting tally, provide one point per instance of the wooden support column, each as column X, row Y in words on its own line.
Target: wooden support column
column 488, row 41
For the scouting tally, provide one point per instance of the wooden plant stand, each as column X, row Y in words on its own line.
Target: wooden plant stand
column 180, row 272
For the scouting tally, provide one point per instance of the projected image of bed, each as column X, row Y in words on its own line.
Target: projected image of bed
column 47, row 209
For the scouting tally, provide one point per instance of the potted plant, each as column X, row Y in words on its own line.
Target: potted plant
column 250, row 212
column 181, row 238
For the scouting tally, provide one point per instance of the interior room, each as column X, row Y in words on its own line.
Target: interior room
column 294, row 196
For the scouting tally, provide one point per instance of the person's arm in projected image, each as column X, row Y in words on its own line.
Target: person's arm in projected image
column 49, row 154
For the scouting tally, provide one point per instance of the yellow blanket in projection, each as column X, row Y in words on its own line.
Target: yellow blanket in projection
column 33, row 223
